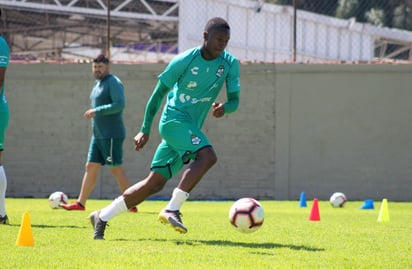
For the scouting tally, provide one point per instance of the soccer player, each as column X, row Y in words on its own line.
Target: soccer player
column 106, row 145
column 192, row 82
column 4, row 120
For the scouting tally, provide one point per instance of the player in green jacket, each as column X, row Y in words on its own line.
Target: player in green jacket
column 106, row 145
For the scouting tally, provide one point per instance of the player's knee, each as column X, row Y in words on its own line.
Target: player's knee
column 156, row 188
column 155, row 183
column 209, row 157
column 212, row 160
column 90, row 166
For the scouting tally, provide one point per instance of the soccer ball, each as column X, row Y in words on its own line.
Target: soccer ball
column 338, row 199
column 56, row 198
column 246, row 215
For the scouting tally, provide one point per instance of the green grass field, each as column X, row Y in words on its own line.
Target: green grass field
column 344, row 238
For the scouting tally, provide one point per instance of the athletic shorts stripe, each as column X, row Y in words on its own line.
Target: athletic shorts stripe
column 106, row 151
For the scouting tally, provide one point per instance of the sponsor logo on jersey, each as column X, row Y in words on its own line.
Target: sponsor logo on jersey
column 191, row 85
column 4, row 60
column 185, row 98
column 195, row 70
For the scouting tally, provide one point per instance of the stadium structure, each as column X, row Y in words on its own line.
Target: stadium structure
column 155, row 30
column 56, row 29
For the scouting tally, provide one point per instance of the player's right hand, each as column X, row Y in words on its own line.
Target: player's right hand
column 89, row 114
column 140, row 140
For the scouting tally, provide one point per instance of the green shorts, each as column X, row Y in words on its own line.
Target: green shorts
column 4, row 122
column 180, row 144
column 106, row 151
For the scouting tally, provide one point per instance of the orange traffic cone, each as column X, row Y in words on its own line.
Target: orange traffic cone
column 25, row 237
column 314, row 213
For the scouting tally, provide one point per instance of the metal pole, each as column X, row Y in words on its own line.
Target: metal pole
column 108, row 30
column 294, row 32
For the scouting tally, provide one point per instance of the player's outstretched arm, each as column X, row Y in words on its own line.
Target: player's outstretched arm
column 152, row 107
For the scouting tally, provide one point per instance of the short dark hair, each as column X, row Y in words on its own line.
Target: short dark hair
column 101, row 59
column 217, row 23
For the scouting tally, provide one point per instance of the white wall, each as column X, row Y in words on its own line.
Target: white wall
column 268, row 35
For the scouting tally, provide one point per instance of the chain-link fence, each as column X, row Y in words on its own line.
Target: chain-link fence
column 262, row 31
column 389, row 22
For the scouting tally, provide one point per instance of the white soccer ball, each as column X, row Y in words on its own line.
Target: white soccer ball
column 246, row 215
column 56, row 198
column 338, row 199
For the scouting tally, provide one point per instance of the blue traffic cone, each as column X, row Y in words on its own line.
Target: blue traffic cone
column 368, row 204
column 302, row 200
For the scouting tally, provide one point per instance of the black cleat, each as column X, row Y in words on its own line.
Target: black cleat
column 98, row 225
column 4, row 220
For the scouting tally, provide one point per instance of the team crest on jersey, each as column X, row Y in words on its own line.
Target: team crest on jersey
column 196, row 140
column 220, row 71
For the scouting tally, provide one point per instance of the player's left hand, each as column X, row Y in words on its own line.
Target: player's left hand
column 218, row 110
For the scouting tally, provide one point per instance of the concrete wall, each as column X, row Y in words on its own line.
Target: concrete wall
column 312, row 128
column 345, row 128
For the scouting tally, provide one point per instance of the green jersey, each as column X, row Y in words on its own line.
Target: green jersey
column 4, row 108
column 196, row 83
column 4, row 62
column 108, row 101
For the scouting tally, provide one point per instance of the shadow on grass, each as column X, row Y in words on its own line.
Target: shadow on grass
column 267, row 245
column 57, row 226
column 227, row 243
column 42, row 226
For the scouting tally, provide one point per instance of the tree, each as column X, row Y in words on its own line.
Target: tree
column 402, row 17
column 384, row 13
column 376, row 17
